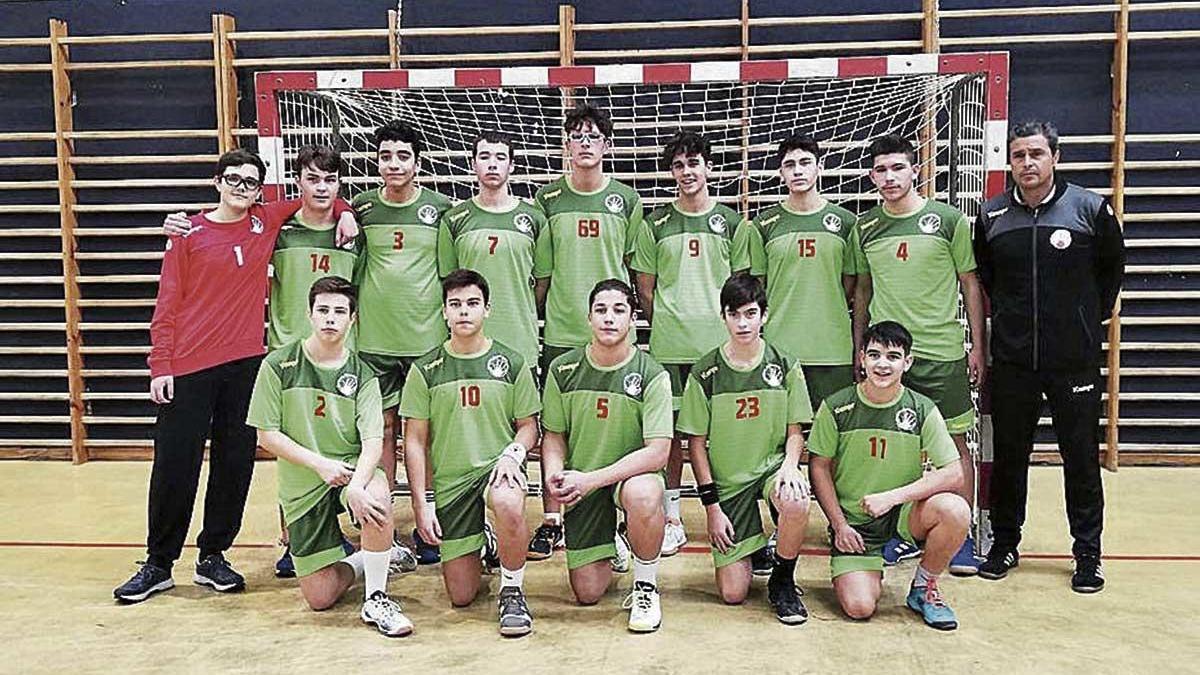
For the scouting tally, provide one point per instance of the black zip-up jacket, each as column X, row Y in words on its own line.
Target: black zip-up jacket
column 1053, row 272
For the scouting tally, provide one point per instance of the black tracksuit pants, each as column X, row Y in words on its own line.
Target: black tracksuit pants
column 210, row 403
column 1074, row 402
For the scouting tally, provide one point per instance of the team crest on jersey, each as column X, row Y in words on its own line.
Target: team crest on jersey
column 716, row 223
column 632, row 384
column 772, row 375
column 523, row 222
column 427, row 214
column 930, row 223
column 347, row 384
column 832, row 222
column 256, row 225
column 906, row 419
column 1060, row 239
column 615, row 203
column 498, row 366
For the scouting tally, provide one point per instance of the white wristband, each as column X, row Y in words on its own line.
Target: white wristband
column 516, row 451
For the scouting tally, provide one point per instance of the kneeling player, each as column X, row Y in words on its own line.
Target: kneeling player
column 867, row 443
column 742, row 407
column 607, row 417
column 471, row 406
column 316, row 406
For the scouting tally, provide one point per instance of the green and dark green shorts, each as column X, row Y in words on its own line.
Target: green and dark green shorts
column 315, row 538
column 742, row 510
column 825, row 380
column 591, row 524
column 947, row 383
column 390, row 371
column 875, row 534
column 462, row 517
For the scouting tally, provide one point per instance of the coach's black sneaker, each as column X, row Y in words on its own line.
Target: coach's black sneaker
column 545, row 539
column 785, row 599
column 998, row 563
column 762, row 562
column 215, row 571
column 148, row 580
column 515, row 619
column 1088, row 576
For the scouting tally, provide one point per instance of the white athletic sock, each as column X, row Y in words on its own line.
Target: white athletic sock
column 355, row 561
column 375, row 571
column 553, row 518
column 512, row 577
column 922, row 577
column 671, row 503
column 645, row 570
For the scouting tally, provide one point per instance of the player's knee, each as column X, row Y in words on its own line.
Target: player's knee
column 642, row 498
column 379, row 491
column 858, row 608
column 508, row 503
column 731, row 595
column 586, row 595
column 461, row 596
column 792, row 508
column 951, row 509
column 318, row 601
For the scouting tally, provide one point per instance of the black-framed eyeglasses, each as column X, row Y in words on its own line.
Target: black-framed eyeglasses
column 591, row 136
column 234, row 180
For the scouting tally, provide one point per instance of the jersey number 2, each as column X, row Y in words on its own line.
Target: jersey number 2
column 320, row 410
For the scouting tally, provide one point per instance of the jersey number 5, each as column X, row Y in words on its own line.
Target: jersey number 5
column 602, row 408
column 748, row 408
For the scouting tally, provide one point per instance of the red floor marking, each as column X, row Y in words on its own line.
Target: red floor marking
column 100, row 544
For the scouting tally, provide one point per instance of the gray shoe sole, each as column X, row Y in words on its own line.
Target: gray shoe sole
column 516, row 631
column 138, row 597
column 201, row 580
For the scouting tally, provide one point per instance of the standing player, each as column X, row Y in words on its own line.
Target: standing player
column 800, row 246
column 867, row 445
column 494, row 233
column 684, row 252
column 911, row 254
column 316, row 407
column 463, row 400
column 743, row 407
column 400, row 316
column 592, row 221
column 607, row 418
column 206, row 344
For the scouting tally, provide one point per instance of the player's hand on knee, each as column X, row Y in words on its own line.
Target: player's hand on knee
column 720, row 529
column 334, row 473
column 877, row 505
column 366, row 508
column 508, row 473
column 790, row 485
column 847, row 540
column 177, row 224
column 428, row 526
column 162, row 389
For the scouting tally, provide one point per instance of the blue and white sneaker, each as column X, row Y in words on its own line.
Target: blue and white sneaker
column 897, row 549
column 490, row 555
column 927, row 601
column 427, row 554
column 285, row 567
column 964, row 563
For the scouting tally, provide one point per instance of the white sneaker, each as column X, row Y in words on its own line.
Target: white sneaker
column 645, row 609
column 621, row 561
column 386, row 614
column 674, row 538
column 403, row 559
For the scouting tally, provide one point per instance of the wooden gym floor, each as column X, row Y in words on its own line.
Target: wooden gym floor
column 70, row 534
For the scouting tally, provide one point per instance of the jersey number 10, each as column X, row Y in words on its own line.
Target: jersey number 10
column 469, row 396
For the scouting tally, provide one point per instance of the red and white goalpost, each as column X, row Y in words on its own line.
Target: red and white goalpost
column 954, row 107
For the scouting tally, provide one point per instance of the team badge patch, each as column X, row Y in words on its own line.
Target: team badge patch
column 906, row 419
column 615, row 203
column 716, row 223
column 427, row 214
column 498, row 366
column 632, row 384
column 523, row 222
column 1060, row 239
column 256, row 225
column 930, row 223
column 347, row 384
column 832, row 222
column 772, row 375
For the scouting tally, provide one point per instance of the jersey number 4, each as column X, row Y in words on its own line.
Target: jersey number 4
column 748, row 408
column 902, row 251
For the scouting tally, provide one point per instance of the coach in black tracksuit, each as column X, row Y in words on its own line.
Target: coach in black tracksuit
column 1051, row 257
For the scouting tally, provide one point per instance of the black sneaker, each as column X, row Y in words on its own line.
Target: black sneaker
column 515, row 619
column 427, row 554
column 285, row 567
column 762, row 562
column 545, row 539
column 1088, row 576
column 998, row 563
column 147, row 581
column 215, row 571
column 785, row 599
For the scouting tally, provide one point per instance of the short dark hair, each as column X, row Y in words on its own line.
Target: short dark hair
column 891, row 144
column 333, row 284
column 612, row 285
column 1035, row 128
column 238, row 157
column 888, row 334
column 685, row 143
column 742, row 289
column 399, row 130
column 492, row 136
column 798, row 142
column 320, row 157
column 586, row 112
column 462, row 278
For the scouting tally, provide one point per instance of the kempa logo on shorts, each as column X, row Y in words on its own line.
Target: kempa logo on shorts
column 716, row 223
column 930, row 223
column 1060, row 239
column 427, row 214
column 347, row 384
column 632, row 384
column 1082, row 388
column 256, row 225
column 523, row 222
column 832, row 222
column 498, row 366
column 614, row 203
column 772, row 375
column 906, row 419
